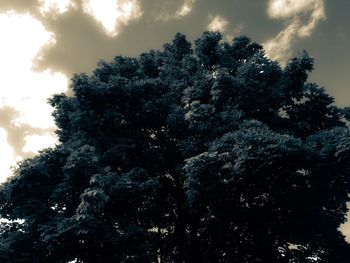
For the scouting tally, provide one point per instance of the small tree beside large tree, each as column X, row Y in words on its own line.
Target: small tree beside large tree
column 212, row 154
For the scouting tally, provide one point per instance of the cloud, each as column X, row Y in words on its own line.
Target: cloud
column 55, row 7
column 113, row 14
column 290, row 8
column 301, row 18
column 17, row 133
column 218, row 23
column 85, row 31
column 279, row 47
column 82, row 40
column 25, row 117
column 23, row 94
column 165, row 9
column 25, row 90
column 18, row 5
column 185, row 9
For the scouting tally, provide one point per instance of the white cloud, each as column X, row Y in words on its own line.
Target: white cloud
column 54, row 7
column 21, row 38
column 218, row 23
column 289, row 8
column 21, row 88
column 293, row 12
column 113, row 14
column 185, row 9
column 32, row 105
column 279, row 47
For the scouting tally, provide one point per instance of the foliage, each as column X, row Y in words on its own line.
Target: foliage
column 215, row 154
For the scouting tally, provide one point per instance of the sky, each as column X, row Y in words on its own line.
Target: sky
column 44, row 42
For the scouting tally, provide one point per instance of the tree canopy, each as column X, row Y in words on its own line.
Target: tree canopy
column 207, row 154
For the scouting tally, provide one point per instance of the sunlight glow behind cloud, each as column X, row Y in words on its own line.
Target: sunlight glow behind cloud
column 113, row 14
column 293, row 12
column 21, row 88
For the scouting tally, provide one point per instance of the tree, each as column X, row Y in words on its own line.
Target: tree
column 215, row 154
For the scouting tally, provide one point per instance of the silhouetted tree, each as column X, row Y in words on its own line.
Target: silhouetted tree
column 215, row 154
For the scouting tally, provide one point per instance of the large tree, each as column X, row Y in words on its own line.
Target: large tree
column 212, row 154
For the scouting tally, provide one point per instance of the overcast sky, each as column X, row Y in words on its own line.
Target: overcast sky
column 43, row 42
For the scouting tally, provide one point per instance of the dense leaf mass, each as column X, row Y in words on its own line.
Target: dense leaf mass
column 211, row 154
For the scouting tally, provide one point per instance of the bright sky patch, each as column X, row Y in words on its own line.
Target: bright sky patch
column 35, row 143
